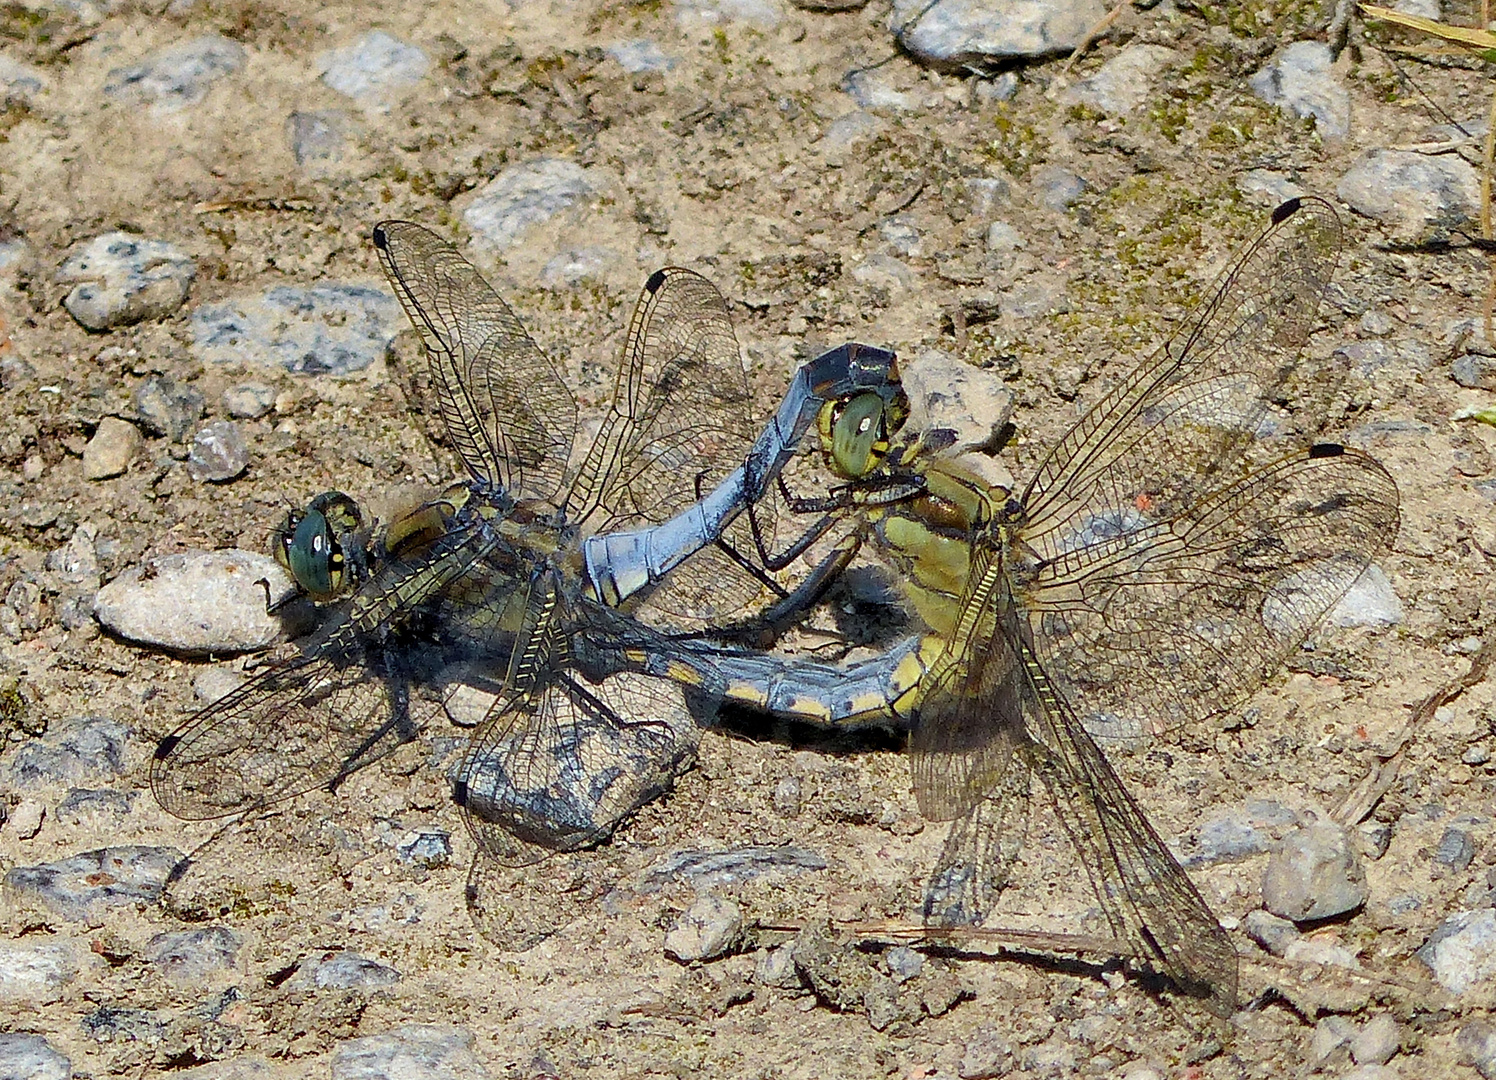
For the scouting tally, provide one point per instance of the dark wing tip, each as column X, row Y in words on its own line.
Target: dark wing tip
column 381, row 237
column 1286, row 210
column 656, row 279
column 166, row 746
column 460, row 792
column 1326, row 450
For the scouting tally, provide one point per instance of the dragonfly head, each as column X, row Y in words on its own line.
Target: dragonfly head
column 314, row 546
column 855, row 431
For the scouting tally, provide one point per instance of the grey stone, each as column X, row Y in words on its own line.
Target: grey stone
column 168, row 408
column 776, row 967
column 249, row 1067
column 116, row 1024
column 786, row 799
column 1002, row 87
column 727, row 866
column 766, row 14
column 411, row 1052
column 987, row 1054
column 83, row 747
column 428, row 847
column 331, row 329
column 1474, row 370
column 709, row 928
column 1377, row 836
column 219, row 453
column 80, row 886
column 22, row 82
column 1371, row 601
column 1330, row 1034
column 1461, row 952
column 1477, row 754
column 1002, row 236
column 318, row 138
column 1456, row 849
column 946, row 393
column 954, row 33
column 846, row 131
column 1375, row 1043
column 899, row 233
column 1477, row 1045
column 114, row 445
column 374, row 69
column 119, row 279
column 1267, row 188
column 1300, row 80
column 904, row 963
column 526, row 195
column 31, row 1057
column 36, row 971
column 1238, row 831
column 77, row 561
column 344, row 971
column 179, row 76
column 249, row 401
column 202, row 602
column 1057, row 188
column 576, row 266
column 639, row 56
column 1421, row 197
column 1124, row 82
column 1272, row 933
column 884, row 272
column 190, row 956
column 79, row 803
column 1314, row 874
column 873, row 91
column 27, row 817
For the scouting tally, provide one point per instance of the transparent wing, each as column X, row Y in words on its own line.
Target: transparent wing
column 1167, row 432
column 506, row 409
column 1154, row 622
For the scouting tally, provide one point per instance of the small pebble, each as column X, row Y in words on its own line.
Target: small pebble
column 639, row 56
column 1478, row 754
column 884, row 272
column 525, row 195
column 27, row 817
column 1330, row 1034
column 1272, row 933
column 846, row 131
column 410, row 1052
column 969, row 31
column 202, row 602
column 1456, row 849
column 114, row 1024
column 1002, row 236
column 1461, row 952
column 571, row 268
column 1314, row 874
column 1125, row 82
column 114, row 445
column 1375, row 1043
column 428, row 847
column 374, row 69
column 218, row 454
column 22, row 82
column 31, row 1057
column 1371, row 601
column 946, row 393
column 80, row 886
column 1267, row 188
column 248, row 401
column 776, row 967
column 1300, row 80
column 1474, row 370
column 329, row 329
column 168, row 408
column 123, row 279
column 706, row 930
column 904, row 963
column 1057, row 188
column 35, row 971
column 179, row 76
column 345, row 971
column 190, row 956
column 876, row 93
column 705, row 869
column 787, row 796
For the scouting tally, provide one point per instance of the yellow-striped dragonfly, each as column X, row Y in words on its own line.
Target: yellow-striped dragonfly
column 1166, row 556
column 531, row 579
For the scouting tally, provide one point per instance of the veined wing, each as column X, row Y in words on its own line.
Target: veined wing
column 990, row 719
column 1169, row 431
column 1152, row 622
column 505, row 407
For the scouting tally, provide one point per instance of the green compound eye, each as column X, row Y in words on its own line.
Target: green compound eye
column 858, row 435
column 309, row 547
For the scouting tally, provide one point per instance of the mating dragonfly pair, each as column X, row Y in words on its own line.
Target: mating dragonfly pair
column 1168, row 554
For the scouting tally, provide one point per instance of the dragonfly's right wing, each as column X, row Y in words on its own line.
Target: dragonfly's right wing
column 506, row 409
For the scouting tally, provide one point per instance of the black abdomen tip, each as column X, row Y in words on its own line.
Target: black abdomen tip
column 1286, row 210
column 656, row 279
column 166, row 746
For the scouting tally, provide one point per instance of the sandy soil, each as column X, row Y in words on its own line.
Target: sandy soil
column 718, row 164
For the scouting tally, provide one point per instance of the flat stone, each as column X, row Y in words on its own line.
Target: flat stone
column 639, row 56
column 331, row 329
column 960, row 32
column 872, row 90
column 1371, row 601
column 31, row 1057
column 428, row 847
column 81, row 748
column 36, row 971
column 81, row 886
column 375, row 69
column 1420, row 197
column 1125, row 81
column 344, row 971
column 715, row 868
column 218, row 454
column 179, row 76
column 1272, row 933
column 201, row 602
column 249, row 401
column 1314, row 874
column 1461, row 952
column 526, row 195
column 190, row 956
column 1477, row 1045
column 114, row 445
column 27, row 817
column 1375, row 1043
column 951, row 395
column 122, row 279
column 1241, row 830
column 22, row 82
column 411, row 1052
column 1456, row 849
column 846, row 131
column 318, row 139
column 1300, row 80
column 80, row 803
column 168, row 408
column 709, row 928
